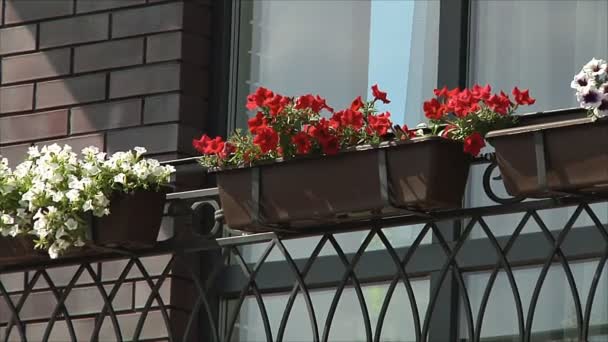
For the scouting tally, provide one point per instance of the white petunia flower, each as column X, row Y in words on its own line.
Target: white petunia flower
column 593, row 66
column 90, row 151
column 21, row 213
column 7, row 219
column 39, row 214
column 101, row 199
column 54, row 251
column 75, row 183
column 60, row 233
column 14, row 231
column 57, row 196
column 71, row 224
column 88, row 205
column 139, row 151
column 581, row 80
column 589, row 97
column 141, row 170
column 120, row 178
column 602, row 110
column 53, row 148
column 33, row 152
column 90, row 169
column 73, row 195
column 40, row 226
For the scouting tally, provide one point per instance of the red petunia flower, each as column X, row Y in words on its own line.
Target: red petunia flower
column 228, row 149
column 499, row 103
column 215, row 146
column 357, row 104
column 453, row 92
column 462, row 104
column 474, row 143
column 316, row 103
column 481, row 93
column 258, row 98
column 256, row 122
column 321, row 131
column 441, row 92
column 523, row 97
column 347, row 118
column 331, row 145
column 208, row 146
column 433, row 109
column 201, row 144
column 276, row 104
column 407, row 132
column 302, row 142
column 266, row 138
column 379, row 95
column 380, row 124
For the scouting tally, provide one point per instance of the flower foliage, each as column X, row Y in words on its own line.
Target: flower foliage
column 467, row 115
column 591, row 85
column 286, row 127
column 51, row 192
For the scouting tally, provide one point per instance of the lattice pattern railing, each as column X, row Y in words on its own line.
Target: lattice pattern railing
column 223, row 271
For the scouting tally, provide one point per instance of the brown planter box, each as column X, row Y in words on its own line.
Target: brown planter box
column 573, row 154
column 14, row 250
column 134, row 220
column 421, row 174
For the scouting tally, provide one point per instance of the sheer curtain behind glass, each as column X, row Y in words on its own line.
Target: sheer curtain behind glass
column 338, row 49
column 538, row 45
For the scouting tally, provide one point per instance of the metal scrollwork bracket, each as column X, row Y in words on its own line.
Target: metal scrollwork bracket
column 487, row 182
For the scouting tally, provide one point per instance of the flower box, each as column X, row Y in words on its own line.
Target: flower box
column 134, row 220
column 14, row 250
column 419, row 174
column 539, row 160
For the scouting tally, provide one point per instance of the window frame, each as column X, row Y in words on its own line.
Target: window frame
column 530, row 250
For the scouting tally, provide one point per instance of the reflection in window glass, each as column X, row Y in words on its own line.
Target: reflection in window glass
column 339, row 48
column 347, row 324
column 554, row 318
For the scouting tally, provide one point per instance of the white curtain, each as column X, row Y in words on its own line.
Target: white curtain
column 538, row 45
column 339, row 48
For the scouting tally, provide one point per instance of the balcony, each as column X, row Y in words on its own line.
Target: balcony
column 448, row 272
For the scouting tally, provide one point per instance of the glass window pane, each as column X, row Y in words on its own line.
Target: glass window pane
column 338, row 49
column 540, row 45
column 347, row 324
column 554, row 318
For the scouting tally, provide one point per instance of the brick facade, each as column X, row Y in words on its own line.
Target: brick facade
column 110, row 73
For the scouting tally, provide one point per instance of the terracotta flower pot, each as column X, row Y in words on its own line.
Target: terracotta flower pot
column 421, row 174
column 18, row 249
column 134, row 220
column 540, row 160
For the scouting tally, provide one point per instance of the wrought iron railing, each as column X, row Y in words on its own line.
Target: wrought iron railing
column 211, row 262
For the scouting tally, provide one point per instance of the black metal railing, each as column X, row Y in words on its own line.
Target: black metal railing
column 211, row 261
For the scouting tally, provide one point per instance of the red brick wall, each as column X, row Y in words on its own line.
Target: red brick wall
column 110, row 73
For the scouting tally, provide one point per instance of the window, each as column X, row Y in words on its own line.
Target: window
column 338, row 48
column 538, row 45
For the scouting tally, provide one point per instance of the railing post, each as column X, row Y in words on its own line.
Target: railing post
column 445, row 319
